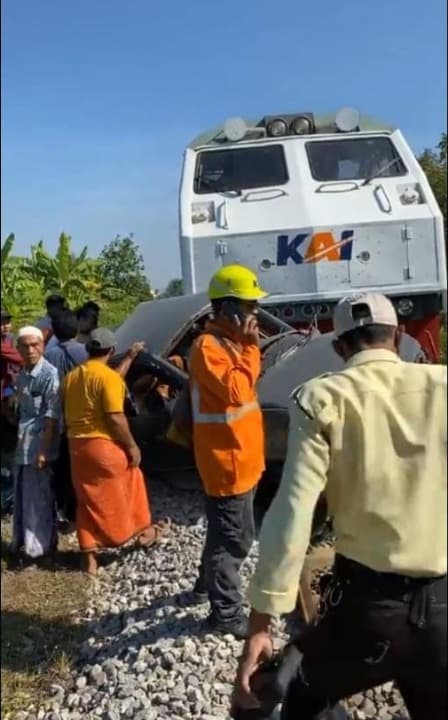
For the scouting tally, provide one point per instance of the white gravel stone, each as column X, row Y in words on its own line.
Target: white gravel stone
column 81, row 682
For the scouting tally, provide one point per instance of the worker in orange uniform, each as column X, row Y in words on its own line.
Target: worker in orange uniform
column 228, row 439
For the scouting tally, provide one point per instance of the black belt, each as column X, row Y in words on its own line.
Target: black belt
column 388, row 582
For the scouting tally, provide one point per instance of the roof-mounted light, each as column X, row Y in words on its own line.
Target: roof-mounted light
column 301, row 125
column 235, row 129
column 289, row 124
column 347, row 119
column 277, row 127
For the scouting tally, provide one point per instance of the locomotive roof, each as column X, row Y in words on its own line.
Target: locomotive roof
column 325, row 124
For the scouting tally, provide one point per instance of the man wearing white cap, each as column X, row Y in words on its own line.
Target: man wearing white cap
column 39, row 412
column 374, row 438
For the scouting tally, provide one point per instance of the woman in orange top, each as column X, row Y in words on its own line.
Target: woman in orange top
column 112, row 502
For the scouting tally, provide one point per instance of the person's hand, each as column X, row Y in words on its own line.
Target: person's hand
column 256, row 650
column 134, row 455
column 135, row 349
column 249, row 334
column 41, row 460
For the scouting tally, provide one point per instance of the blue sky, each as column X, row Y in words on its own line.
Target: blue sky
column 100, row 97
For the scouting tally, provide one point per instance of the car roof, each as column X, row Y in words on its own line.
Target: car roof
column 158, row 321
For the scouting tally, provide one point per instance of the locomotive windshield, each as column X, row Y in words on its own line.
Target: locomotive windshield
column 354, row 159
column 240, row 169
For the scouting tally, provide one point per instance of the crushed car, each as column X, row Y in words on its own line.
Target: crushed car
column 169, row 326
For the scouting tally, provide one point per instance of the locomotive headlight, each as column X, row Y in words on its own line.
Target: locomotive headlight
column 277, row 127
column 411, row 195
column 347, row 119
column 301, row 125
column 202, row 212
column 235, row 129
column 405, row 307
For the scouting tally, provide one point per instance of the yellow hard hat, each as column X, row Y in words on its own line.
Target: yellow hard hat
column 235, row 281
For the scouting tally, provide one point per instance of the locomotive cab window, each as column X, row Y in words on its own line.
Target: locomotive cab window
column 354, row 159
column 240, row 169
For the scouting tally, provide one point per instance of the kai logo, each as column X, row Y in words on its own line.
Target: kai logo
column 321, row 246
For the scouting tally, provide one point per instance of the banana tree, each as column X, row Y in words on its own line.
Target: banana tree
column 7, row 247
column 26, row 281
column 22, row 296
column 73, row 276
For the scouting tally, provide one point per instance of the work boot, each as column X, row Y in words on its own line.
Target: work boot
column 241, row 714
column 191, row 598
column 239, row 628
column 199, row 598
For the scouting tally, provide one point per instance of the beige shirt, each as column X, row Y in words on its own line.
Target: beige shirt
column 374, row 436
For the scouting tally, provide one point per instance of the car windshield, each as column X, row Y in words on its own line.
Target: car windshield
column 354, row 159
column 240, row 169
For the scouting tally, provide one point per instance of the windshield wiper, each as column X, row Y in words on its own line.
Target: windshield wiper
column 218, row 186
column 374, row 175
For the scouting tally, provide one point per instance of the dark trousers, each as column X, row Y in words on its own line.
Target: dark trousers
column 375, row 627
column 63, row 486
column 230, row 534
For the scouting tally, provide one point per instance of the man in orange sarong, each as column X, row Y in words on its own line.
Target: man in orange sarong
column 112, row 502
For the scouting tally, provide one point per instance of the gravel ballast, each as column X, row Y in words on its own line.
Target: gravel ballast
column 147, row 656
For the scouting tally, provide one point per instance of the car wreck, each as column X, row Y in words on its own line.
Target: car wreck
column 290, row 357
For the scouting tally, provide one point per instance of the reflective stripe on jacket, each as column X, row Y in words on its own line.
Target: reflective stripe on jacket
column 227, row 420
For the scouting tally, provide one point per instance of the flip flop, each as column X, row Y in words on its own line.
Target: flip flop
column 161, row 528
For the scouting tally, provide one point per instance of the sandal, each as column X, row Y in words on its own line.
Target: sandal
column 161, row 530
